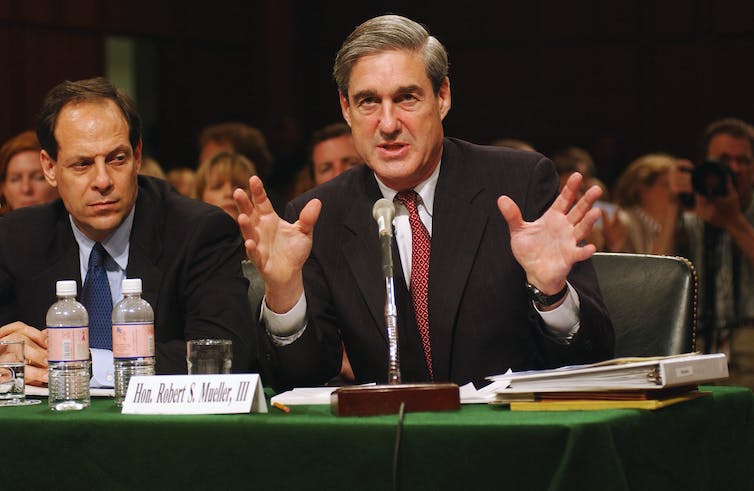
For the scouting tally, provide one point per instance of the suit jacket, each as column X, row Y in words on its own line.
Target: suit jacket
column 481, row 319
column 186, row 252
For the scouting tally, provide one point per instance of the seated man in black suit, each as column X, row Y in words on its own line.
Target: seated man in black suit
column 187, row 253
column 494, row 275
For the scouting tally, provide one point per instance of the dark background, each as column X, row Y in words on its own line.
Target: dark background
column 618, row 78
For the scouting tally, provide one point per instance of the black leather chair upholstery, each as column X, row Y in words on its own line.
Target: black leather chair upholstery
column 651, row 300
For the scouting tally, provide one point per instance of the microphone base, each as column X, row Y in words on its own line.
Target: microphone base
column 386, row 399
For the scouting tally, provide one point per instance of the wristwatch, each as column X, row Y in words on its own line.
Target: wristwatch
column 542, row 298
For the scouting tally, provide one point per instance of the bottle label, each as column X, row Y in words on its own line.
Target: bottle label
column 133, row 340
column 67, row 343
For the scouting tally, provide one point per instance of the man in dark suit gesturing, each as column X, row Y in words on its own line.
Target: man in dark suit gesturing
column 187, row 253
column 494, row 275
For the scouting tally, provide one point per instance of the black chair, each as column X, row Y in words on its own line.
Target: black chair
column 651, row 301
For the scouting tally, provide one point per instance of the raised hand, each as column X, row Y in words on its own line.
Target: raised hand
column 277, row 248
column 548, row 247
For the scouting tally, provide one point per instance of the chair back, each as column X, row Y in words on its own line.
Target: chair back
column 651, row 301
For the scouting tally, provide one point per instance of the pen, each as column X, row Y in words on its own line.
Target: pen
column 282, row 407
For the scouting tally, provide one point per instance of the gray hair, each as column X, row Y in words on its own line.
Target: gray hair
column 386, row 33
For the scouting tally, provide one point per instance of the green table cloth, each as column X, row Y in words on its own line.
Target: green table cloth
column 706, row 443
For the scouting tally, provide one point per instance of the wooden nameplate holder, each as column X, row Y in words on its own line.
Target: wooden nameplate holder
column 386, row 399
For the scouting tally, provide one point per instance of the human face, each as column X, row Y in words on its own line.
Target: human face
column 219, row 192
column 395, row 116
column 25, row 183
column 658, row 194
column 736, row 153
column 96, row 168
column 332, row 157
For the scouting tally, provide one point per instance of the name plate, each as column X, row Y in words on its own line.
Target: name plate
column 195, row 394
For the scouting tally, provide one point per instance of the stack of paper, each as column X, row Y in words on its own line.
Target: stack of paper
column 647, row 383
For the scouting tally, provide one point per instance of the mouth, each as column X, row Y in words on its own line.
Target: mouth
column 393, row 149
column 103, row 205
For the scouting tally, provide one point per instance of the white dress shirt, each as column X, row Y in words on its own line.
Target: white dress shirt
column 117, row 247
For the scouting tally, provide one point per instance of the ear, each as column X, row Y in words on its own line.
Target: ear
column 49, row 168
column 443, row 98
column 137, row 157
column 344, row 107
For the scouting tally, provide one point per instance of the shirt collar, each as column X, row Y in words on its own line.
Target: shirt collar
column 425, row 189
column 116, row 245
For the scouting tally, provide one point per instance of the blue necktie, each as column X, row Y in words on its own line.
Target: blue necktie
column 97, row 300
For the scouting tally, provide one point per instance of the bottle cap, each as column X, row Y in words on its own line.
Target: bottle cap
column 131, row 285
column 65, row 287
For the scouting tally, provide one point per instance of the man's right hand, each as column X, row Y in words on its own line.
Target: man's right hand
column 35, row 350
column 277, row 248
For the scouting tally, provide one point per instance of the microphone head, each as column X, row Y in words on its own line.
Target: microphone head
column 383, row 212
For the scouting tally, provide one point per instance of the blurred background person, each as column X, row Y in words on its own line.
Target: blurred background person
column 22, row 182
column 183, row 179
column 649, row 208
column 330, row 152
column 246, row 140
column 720, row 229
column 219, row 175
column 150, row 167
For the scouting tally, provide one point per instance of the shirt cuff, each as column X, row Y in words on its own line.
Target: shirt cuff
column 562, row 323
column 103, row 369
column 287, row 327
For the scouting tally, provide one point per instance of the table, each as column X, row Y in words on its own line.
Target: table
column 706, row 443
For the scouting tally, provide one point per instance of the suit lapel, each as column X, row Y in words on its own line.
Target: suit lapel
column 146, row 245
column 63, row 264
column 362, row 250
column 457, row 227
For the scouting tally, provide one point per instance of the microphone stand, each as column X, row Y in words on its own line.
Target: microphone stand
column 395, row 396
column 391, row 311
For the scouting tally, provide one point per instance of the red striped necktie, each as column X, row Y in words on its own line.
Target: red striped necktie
column 420, row 249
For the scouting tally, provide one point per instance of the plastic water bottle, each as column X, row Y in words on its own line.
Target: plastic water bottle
column 133, row 337
column 68, row 350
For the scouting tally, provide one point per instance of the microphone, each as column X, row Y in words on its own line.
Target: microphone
column 383, row 212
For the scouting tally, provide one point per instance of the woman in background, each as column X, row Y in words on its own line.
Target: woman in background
column 649, row 208
column 219, row 175
column 22, row 182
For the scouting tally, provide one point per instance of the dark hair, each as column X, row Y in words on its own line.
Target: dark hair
column 733, row 127
column 245, row 139
column 89, row 90
column 386, row 33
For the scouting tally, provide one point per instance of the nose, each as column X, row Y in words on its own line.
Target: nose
column 390, row 124
column 26, row 187
column 103, row 181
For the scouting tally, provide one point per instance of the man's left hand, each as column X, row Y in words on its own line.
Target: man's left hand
column 548, row 247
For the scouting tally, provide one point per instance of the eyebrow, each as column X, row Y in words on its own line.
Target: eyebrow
column 400, row 90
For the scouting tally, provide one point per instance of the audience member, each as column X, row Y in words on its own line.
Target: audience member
column 217, row 178
column 243, row 139
column 332, row 152
column 236, row 138
column 719, row 228
column 183, row 179
column 186, row 252
column 475, row 314
column 150, row 167
column 650, row 211
column 22, row 182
